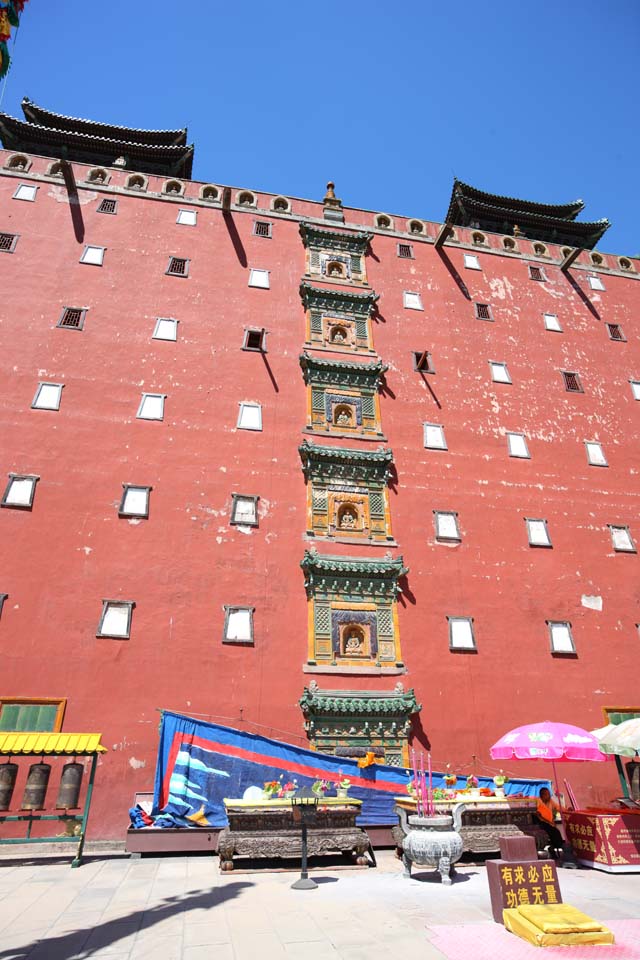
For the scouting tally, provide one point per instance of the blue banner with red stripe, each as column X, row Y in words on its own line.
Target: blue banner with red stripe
column 200, row 763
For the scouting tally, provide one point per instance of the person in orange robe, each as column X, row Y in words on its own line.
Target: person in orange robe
column 546, row 810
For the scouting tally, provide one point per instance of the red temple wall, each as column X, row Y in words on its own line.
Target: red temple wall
column 184, row 563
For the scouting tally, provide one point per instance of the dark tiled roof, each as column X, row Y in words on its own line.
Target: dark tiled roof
column 85, row 147
column 46, row 118
column 462, row 192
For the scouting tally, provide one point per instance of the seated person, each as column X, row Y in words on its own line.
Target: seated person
column 546, row 811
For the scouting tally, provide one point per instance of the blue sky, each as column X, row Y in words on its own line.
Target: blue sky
column 390, row 100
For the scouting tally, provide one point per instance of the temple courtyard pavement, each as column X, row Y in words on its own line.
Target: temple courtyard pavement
column 182, row 908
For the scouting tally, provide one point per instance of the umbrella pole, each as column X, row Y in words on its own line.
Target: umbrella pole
column 555, row 777
column 623, row 779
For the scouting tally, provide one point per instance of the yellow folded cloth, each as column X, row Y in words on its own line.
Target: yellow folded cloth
column 559, row 918
column 516, row 922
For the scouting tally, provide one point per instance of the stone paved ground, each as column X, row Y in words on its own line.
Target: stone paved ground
column 182, row 908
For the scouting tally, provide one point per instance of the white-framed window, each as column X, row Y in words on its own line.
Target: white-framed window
column 187, row 218
column 434, row 438
column 517, row 444
column 238, row 624
column 551, row 322
column 166, row 329
column 471, row 262
column 536, row 273
column 405, row 251
column 151, row 406
column 20, row 491
column 538, row 533
column 621, row 539
column 26, row 191
column 255, row 340
column 595, row 454
column 259, row 278
column 499, row 372
column 115, row 620
column 560, row 636
column 250, row 416
column 262, row 228
column 635, row 389
column 596, row 283
column 93, row 255
column 244, row 510
column 461, row 635
column 412, row 300
column 48, row 396
column 446, row 524
column 135, row 501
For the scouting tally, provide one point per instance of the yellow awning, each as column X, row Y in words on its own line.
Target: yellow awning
column 25, row 744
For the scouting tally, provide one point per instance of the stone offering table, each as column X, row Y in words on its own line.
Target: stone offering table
column 480, row 822
column 267, row 828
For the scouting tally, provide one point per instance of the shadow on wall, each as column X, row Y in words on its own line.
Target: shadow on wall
column 235, row 238
column 88, row 940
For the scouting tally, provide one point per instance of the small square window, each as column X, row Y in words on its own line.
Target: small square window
column 93, row 255
column 262, row 228
column 461, row 633
column 151, row 406
column 423, row 361
column 446, row 523
column 518, row 445
column 560, row 636
column 405, row 251
column 178, row 267
column 572, row 382
column 255, row 340
column 48, row 396
column 135, row 501
column 115, row 620
column 412, row 301
column 536, row 273
column 538, row 533
column 8, row 242
column 499, row 372
column 259, row 278
column 25, row 191
column 188, row 218
column 635, row 389
column 434, row 438
column 107, row 206
column 20, row 491
column 615, row 332
column 72, row 318
column 250, row 416
column 471, row 262
column 238, row 625
column 595, row 454
column 166, row 329
column 483, row 311
column 551, row 322
column 244, row 510
column 596, row 283
column 621, row 539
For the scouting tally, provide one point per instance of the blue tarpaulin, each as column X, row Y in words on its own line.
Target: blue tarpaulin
column 199, row 764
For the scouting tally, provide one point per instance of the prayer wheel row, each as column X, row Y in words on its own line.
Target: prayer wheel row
column 35, row 790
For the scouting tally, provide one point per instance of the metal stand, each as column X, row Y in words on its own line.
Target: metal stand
column 305, row 882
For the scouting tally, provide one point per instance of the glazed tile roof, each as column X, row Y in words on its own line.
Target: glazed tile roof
column 381, row 455
column 99, row 144
column 550, row 222
column 37, row 744
column 349, row 702
column 386, row 566
column 58, row 121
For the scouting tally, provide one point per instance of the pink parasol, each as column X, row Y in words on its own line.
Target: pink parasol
column 548, row 741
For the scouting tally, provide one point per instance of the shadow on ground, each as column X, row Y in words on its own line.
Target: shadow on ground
column 72, row 943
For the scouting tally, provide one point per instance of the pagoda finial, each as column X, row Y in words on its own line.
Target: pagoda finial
column 332, row 205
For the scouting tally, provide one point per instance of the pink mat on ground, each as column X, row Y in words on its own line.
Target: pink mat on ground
column 490, row 941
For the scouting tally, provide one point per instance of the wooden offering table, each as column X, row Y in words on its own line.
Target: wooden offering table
column 267, row 828
column 480, row 822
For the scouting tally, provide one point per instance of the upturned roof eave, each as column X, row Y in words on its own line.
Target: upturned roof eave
column 43, row 117
column 461, row 191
